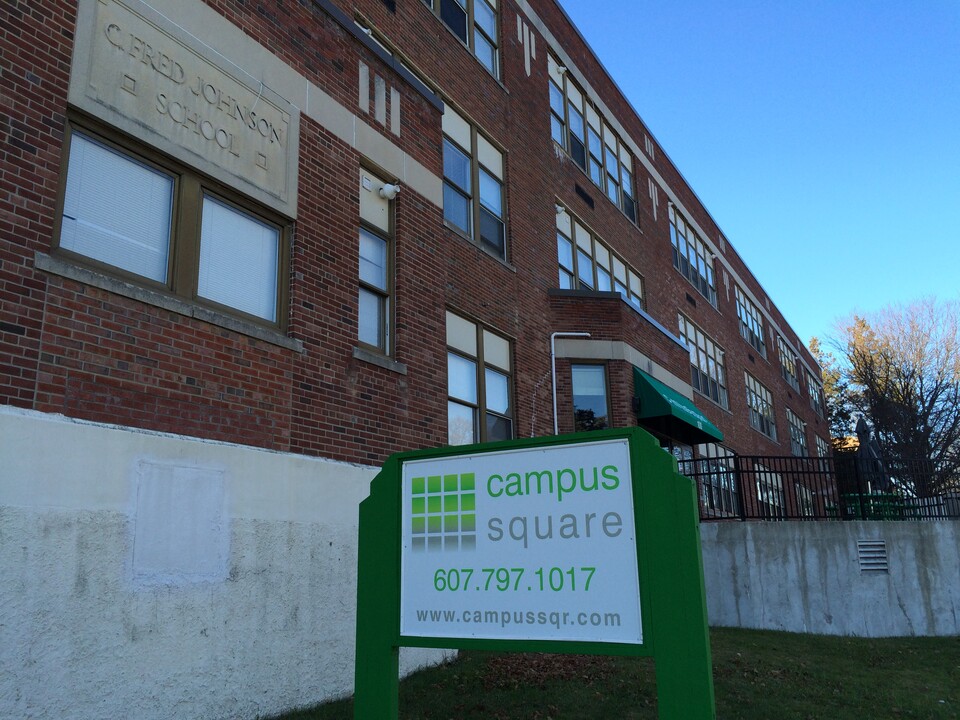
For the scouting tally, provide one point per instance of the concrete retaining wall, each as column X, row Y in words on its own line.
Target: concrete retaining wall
column 154, row 576
column 807, row 577
column 151, row 575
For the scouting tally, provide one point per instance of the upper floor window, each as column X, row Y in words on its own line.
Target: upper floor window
column 475, row 23
column 375, row 271
column 586, row 263
column 577, row 127
column 707, row 372
column 591, row 409
column 760, row 403
column 798, row 436
column 479, row 394
column 473, row 197
column 788, row 363
column 165, row 226
column 815, row 389
column 751, row 322
column 691, row 256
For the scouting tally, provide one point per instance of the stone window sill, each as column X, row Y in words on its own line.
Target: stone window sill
column 87, row 276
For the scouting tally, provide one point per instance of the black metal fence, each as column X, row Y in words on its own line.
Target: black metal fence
column 741, row 487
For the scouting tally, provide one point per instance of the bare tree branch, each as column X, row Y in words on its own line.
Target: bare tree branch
column 901, row 369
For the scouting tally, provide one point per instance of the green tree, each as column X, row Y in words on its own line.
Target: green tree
column 902, row 368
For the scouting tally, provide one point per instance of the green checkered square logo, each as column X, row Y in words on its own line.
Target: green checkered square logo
column 443, row 512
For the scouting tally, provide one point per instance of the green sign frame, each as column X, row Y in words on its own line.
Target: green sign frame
column 670, row 568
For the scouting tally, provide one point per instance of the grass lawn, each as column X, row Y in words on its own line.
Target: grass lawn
column 757, row 676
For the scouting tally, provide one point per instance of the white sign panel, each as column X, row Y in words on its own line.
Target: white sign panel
column 533, row 544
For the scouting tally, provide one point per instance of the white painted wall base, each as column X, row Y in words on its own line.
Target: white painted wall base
column 806, row 577
column 154, row 576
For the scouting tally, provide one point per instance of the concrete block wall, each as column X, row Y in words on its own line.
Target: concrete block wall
column 807, row 577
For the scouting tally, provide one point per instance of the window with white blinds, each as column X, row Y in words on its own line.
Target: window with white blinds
column 117, row 210
column 238, row 260
column 127, row 208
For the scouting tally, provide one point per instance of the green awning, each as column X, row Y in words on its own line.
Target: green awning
column 668, row 412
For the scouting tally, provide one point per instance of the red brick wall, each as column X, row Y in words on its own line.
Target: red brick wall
column 66, row 347
column 34, row 71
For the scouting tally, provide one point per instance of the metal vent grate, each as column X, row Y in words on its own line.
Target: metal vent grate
column 872, row 555
column 584, row 195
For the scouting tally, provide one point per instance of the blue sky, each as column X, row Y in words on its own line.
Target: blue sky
column 823, row 136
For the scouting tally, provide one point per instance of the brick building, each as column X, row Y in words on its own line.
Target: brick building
column 249, row 249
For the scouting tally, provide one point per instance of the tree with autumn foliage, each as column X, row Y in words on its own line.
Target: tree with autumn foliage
column 836, row 394
column 900, row 368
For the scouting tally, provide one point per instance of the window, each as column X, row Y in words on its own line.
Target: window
column 823, row 453
column 823, row 447
column 475, row 23
column 692, row 257
column 375, row 272
column 707, row 373
column 587, row 264
column 760, row 403
column 751, row 323
column 804, row 500
column 590, row 409
column 769, row 492
column 577, row 127
column 479, row 404
column 798, row 437
column 714, row 467
column 374, row 297
column 815, row 389
column 473, row 198
column 788, row 364
column 159, row 223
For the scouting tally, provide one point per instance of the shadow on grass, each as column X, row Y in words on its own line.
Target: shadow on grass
column 758, row 675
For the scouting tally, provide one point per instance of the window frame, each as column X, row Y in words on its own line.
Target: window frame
column 697, row 372
column 823, row 447
column 817, row 398
column 750, row 321
column 806, row 505
column 714, row 466
column 788, row 363
column 705, row 282
column 475, row 204
column 190, row 187
column 385, row 295
column 798, row 437
column 481, row 365
column 577, row 100
column 762, row 416
column 771, row 497
column 472, row 27
column 823, row 453
column 606, row 394
column 622, row 277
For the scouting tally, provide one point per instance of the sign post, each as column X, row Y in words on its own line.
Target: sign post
column 584, row 543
